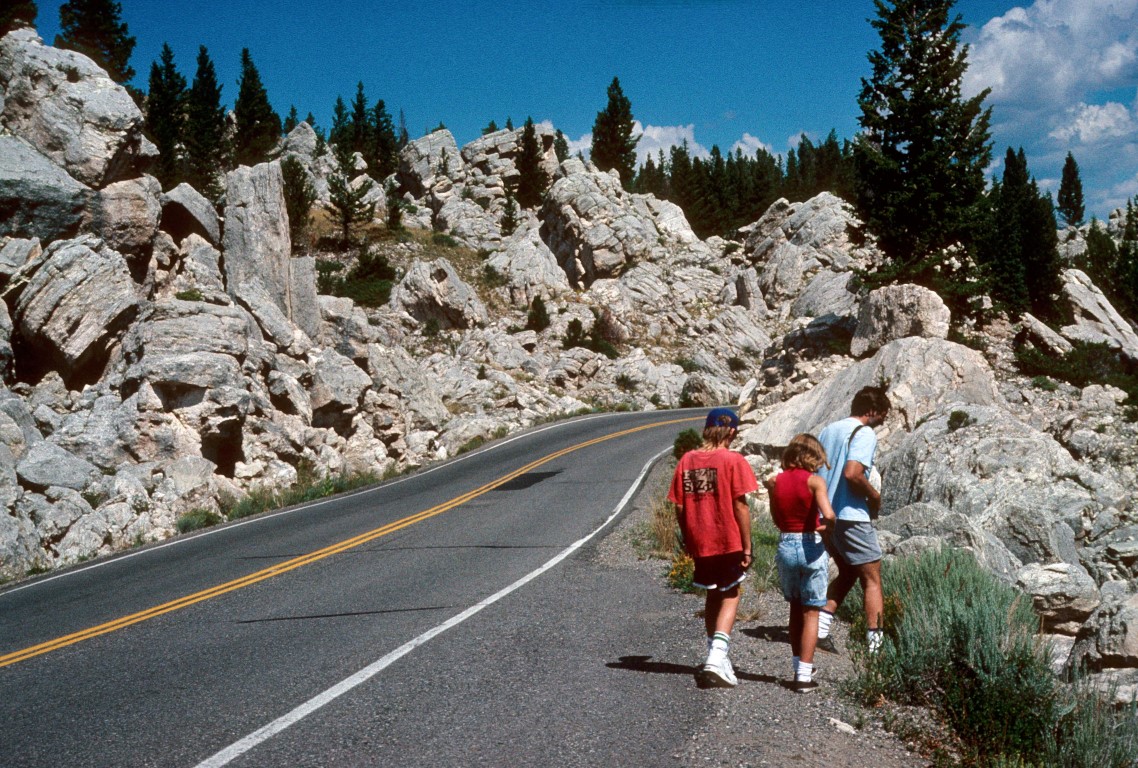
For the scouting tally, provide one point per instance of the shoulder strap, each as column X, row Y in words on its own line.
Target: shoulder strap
column 850, row 441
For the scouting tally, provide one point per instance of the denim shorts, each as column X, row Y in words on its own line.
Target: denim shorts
column 803, row 568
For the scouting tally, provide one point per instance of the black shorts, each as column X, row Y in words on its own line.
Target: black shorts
column 719, row 572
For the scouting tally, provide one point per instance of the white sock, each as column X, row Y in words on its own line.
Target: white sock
column 721, row 641
column 825, row 619
column 795, row 661
column 874, row 638
column 805, row 672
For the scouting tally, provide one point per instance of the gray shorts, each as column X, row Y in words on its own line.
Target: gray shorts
column 854, row 542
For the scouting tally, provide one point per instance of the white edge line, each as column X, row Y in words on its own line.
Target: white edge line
column 308, row 505
column 238, row 748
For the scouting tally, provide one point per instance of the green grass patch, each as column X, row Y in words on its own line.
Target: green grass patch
column 308, row 487
column 196, row 519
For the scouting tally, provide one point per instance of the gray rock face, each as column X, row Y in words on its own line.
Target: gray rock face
column 74, row 301
column 258, row 248
column 337, row 388
column 922, row 374
column 897, row 311
column 185, row 211
column 1063, row 595
column 127, row 214
column 436, row 292
column 1096, row 320
column 591, row 226
column 46, row 464
column 430, row 167
column 530, row 268
column 37, row 198
column 71, row 111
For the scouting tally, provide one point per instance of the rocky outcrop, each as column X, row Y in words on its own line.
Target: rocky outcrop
column 1096, row 320
column 71, row 111
column 127, row 213
column 435, row 293
column 897, row 311
column 185, row 211
column 38, row 198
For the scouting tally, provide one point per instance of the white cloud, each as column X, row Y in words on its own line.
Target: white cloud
column 1054, row 51
column 653, row 138
column 1095, row 123
column 750, row 144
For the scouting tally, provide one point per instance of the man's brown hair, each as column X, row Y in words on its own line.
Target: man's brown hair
column 870, row 400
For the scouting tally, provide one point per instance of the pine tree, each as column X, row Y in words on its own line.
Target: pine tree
column 1071, row 193
column 291, row 121
column 404, row 138
column 204, row 136
column 509, row 223
column 165, row 116
column 348, row 201
column 491, row 127
column 258, row 126
column 339, row 135
column 299, row 195
column 359, row 126
column 1127, row 262
column 17, row 13
column 560, row 146
column 923, row 148
column 614, row 145
column 532, row 178
column 385, row 150
column 95, row 29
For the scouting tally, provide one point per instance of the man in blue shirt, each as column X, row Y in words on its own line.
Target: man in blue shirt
column 850, row 446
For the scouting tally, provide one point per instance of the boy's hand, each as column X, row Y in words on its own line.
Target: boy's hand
column 748, row 560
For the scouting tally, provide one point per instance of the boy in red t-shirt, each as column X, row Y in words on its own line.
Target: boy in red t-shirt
column 801, row 509
column 709, row 490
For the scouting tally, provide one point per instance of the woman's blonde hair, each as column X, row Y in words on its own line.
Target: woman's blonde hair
column 804, row 452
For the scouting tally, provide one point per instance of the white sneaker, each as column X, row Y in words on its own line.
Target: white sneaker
column 718, row 672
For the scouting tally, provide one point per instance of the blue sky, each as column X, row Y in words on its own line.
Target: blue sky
column 748, row 73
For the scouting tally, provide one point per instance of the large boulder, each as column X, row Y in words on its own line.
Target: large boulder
column 431, row 167
column 529, row 267
column 127, row 214
column 38, row 199
column 897, row 311
column 922, row 374
column 435, row 291
column 185, row 211
column 73, row 302
column 258, row 248
column 1096, row 320
column 70, row 110
column 46, row 465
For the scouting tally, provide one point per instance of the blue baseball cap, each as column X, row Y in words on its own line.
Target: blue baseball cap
column 722, row 417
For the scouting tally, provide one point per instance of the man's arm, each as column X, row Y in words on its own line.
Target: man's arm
column 854, row 473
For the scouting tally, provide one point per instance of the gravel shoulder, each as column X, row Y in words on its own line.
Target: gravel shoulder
column 760, row 722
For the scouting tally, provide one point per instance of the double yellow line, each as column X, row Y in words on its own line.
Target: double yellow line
column 297, row 562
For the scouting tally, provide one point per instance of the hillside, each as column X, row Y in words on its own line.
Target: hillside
column 166, row 355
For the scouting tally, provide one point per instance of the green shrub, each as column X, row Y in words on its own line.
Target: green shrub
column 682, row 572
column 1091, row 733
column 193, row 294
column 431, row 328
column 962, row 642
column 764, row 547
column 445, row 240
column 575, row 336
column 689, row 365
column 197, row 518
column 625, row 382
column 688, row 440
column 736, row 364
column 492, row 278
column 368, row 283
column 958, row 420
column 1045, row 383
column 538, row 319
column 1086, row 363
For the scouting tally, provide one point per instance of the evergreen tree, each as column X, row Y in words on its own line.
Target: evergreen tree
column 204, row 136
column 491, row 127
column 614, row 146
column 404, row 138
column 291, row 121
column 299, row 195
column 1101, row 257
column 923, row 148
column 359, row 126
column 385, row 148
column 532, row 178
column 348, row 201
column 258, row 126
column 1021, row 253
column 17, row 13
column 165, row 116
column 1127, row 263
column 339, row 135
column 509, row 223
column 95, row 29
column 1071, row 193
column 509, row 123
column 560, row 146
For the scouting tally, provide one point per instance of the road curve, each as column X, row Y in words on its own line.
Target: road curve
column 313, row 636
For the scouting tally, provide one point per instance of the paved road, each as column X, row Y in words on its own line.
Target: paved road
column 359, row 630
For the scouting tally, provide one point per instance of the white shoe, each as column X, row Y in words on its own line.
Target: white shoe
column 718, row 672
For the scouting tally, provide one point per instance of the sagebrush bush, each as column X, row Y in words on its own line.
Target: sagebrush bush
column 688, row 440
column 963, row 643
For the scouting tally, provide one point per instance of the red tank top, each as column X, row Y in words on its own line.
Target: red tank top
column 792, row 503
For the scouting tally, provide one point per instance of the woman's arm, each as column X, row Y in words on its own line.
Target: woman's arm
column 817, row 486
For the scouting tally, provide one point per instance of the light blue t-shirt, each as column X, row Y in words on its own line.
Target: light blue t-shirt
column 835, row 438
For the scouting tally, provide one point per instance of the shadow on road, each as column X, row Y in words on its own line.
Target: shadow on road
column 645, row 664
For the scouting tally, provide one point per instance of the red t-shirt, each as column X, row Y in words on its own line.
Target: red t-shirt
column 792, row 502
column 705, row 486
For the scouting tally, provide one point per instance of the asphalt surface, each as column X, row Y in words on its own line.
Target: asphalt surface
column 555, row 672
